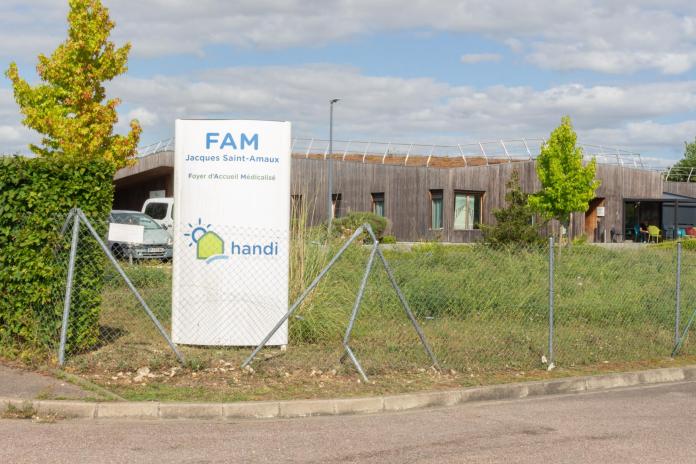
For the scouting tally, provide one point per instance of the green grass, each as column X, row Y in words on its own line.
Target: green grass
column 484, row 311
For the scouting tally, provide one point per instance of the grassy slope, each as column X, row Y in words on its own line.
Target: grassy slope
column 484, row 311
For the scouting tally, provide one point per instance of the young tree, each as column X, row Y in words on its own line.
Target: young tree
column 682, row 170
column 566, row 185
column 68, row 106
column 515, row 222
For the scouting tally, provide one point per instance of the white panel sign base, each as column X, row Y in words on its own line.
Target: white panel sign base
column 231, row 231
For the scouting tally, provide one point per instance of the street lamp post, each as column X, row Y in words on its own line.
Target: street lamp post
column 330, row 167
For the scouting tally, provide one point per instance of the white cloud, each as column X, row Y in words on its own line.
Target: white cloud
column 144, row 116
column 514, row 44
column 611, row 36
column 473, row 58
column 418, row 110
column 10, row 133
column 398, row 109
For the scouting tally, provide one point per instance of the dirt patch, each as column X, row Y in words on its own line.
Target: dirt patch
column 224, row 381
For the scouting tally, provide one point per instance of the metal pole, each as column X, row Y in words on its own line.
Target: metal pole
column 484, row 153
column 506, row 151
column 67, row 222
column 309, row 147
column 330, row 174
column 551, row 291
column 299, row 301
column 403, row 301
column 677, row 315
column 386, row 151
column 361, row 291
column 345, row 151
column 64, row 229
column 329, row 196
column 130, row 285
column 407, row 154
column 68, row 290
column 462, row 153
column 527, row 148
column 356, row 308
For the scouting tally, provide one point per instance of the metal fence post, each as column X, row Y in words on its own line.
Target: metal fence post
column 130, row 285
column 354, row 313
column 677, row 315
column 402, row 299
column 551, row 295
column 68, row 288
column 301, row 298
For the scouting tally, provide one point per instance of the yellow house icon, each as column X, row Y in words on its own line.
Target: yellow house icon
column 210, row 244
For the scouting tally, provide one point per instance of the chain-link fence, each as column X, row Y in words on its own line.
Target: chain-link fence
column 479, row 309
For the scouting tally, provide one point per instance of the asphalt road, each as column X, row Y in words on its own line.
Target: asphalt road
column 638, row 425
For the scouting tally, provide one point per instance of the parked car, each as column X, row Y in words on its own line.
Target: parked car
column 156, row 243
column 162, row 211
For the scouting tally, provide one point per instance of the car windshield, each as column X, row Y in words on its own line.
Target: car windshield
column 136, row 219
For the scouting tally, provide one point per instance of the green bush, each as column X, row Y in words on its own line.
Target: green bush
column 347, row 224
column 515, row 224
column 580, row 240
column 688, row 243
column 35, row 197
column 388, row 239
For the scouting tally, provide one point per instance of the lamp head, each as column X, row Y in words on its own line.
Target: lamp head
column 334, row 100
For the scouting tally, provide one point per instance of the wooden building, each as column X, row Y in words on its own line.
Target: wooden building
column 423, row 202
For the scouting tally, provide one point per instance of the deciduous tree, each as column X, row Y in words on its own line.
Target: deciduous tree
column 685, row 169
column 567, row 185
column 69, row 105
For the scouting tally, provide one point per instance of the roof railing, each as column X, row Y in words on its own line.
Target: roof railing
column 485, row 152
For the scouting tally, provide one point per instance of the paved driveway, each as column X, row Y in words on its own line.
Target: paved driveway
column 638, row 425
column 18, row 383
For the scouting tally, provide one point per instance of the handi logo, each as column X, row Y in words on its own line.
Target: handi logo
column 209, row 245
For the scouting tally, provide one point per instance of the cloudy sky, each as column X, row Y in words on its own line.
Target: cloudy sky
column 433, row 71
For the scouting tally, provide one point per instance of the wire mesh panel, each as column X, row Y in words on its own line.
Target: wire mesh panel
column 614, row 304
column 317, row 327
column 483, row 310
column 31, row 288
column 233, row 286
column 687, row 301
column 107, row 327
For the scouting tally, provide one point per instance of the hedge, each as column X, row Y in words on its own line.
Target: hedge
column 35, row 196
column 347, row 224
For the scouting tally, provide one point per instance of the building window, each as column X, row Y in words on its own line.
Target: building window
column 378, row 203
column 336, row 205
column 467, row 210
column 436, row 209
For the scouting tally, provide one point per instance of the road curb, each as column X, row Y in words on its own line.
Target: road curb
column 344, row 406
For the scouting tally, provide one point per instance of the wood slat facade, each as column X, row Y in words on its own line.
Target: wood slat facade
column 406, row 189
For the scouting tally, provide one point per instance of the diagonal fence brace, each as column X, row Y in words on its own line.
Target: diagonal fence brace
column 403, row 301
column 66, row 223
column 69, row 282
column 302, row 297
column 130, row 285
column 356, row 308
column 680, row 342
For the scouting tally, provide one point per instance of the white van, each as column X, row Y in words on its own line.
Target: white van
column 161, row 210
